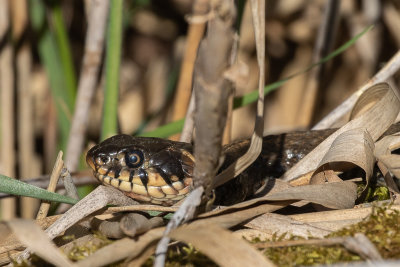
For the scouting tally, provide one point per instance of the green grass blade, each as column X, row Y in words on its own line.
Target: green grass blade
column 50, row 58
column 165, row 130
column 176, row 126
column 65, row 54
column 14, row 187
column 113, row 58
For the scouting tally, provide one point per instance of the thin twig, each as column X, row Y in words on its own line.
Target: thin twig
column 184, row 88
column 188, row 127
column 55, row 175
column 184, row 213
column 90, row 67
column 142, row 207
column 69, row 184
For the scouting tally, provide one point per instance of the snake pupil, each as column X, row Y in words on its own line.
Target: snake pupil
column 134, row 158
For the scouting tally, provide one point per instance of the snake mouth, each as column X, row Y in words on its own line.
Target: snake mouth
column 143, row 185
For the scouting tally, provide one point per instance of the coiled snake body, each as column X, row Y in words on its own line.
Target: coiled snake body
column 159, row 171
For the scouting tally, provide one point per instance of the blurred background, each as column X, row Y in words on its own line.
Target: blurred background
column 43, row 44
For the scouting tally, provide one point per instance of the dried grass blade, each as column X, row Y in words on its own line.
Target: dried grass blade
column 340, row 195
column 258, row 12
column 334, row 195
column 220, row 245
column 277, row 224
column 38, row 242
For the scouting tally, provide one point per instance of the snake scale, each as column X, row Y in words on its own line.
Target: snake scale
column 159, row 171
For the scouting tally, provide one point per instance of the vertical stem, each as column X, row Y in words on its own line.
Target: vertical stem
column 113, row 58
column 65, row 53
column 49, row 56
column 7, row 109
column 94, row 45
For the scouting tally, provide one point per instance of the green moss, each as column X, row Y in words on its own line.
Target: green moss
column 81, row 251
column 381, row 227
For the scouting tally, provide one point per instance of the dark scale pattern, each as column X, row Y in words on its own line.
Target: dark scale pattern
column 143, row 177
column 168, row 163
column 279, row 153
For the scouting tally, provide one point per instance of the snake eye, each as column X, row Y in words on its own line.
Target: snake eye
column 134, row 158
column 102, row 159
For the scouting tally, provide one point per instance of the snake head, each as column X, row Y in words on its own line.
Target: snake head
column 147, row 169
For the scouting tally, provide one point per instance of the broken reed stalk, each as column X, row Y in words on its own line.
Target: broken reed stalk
column 184, row 87
column 55, row 175
column 212, row 92
column 94, row 45
column 188, row 127
column 23, row 67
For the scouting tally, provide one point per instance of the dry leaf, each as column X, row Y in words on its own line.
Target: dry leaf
column 30, row 234
column 220, row 245
column 383, row 153
column 271, row 223
column 351, row 148
column 340, row 195
column 375, row 120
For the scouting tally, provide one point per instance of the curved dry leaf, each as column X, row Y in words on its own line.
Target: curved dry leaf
column 375, row 120
column 351, row 148
column 387, row 144
column 392, row 163
column 383, row 153
column 220, row 245
column 389, row 163
column 354, row 146
column 37, row 241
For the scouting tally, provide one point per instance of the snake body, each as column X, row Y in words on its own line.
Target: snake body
column 159, row 171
